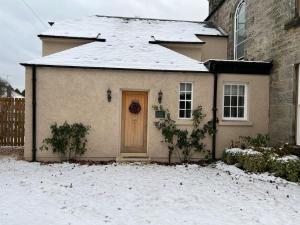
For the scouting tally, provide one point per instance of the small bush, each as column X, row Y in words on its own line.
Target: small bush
column 68, row 140
column 261, row 140
column 287, row 167
column 249, row 160
column 256, row 163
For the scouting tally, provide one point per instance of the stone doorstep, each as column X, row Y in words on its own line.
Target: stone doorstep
column 133, row 157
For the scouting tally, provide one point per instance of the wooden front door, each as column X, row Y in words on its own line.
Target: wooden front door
column 134, row 122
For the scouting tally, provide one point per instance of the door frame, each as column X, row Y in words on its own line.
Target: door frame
column 122, row 132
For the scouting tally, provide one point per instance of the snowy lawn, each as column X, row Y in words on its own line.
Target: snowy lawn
column 135, row 194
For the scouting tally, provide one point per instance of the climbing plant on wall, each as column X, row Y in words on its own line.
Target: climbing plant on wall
column 182, row 141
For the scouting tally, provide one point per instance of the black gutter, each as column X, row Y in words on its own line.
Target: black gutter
column 215, row 120
column 239, row 67
column 177, row 42
column 74, row 38
column 112, row 68
column 33, row 113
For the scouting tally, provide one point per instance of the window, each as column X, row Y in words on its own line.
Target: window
column 240, row 31
column 185, row 100
column 235, row 99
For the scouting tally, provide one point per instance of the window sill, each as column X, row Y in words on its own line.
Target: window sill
column 238, row 123
column 184, row 122
column 295, row 22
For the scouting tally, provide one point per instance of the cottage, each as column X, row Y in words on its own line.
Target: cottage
column 94, row 68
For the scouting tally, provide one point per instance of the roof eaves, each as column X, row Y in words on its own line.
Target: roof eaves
column 155, row 19
column 113, row 68
column 239, row 67
column 178, row 42
column 72, row 37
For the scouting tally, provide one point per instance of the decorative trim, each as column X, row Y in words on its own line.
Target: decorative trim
column 135, row 107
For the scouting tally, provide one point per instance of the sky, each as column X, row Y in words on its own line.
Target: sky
column 22, row 20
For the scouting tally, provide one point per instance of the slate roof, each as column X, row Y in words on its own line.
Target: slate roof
column 127, row 43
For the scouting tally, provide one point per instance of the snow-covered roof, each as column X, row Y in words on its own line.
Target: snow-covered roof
column 127, row 43
column 131, row 28
column 143, row 56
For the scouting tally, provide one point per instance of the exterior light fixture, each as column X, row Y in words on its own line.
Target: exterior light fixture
column 108, row 95
column 160, row 96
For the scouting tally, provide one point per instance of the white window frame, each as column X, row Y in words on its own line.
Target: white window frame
column 235, row 46
column 245, row 118
column 192, row 95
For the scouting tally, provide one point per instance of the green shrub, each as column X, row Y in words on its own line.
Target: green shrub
column 287, row 167
column 185, row 142
column 68, row 140
column 256, row 163
column 261, row 140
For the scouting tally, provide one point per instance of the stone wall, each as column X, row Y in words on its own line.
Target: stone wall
column 270, row 36
column 213, row 4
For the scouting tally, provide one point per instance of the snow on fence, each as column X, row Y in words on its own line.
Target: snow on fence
column 12, row 117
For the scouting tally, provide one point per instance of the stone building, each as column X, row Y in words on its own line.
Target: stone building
column 267, row 30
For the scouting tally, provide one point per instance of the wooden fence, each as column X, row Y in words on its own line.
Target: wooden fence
column 12, row 118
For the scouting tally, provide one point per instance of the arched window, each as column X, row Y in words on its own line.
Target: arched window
column 240, row 31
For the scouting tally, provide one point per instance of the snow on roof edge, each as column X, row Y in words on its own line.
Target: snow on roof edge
column 115, row 68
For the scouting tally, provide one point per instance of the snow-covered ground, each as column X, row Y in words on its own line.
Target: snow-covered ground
column 136, row 194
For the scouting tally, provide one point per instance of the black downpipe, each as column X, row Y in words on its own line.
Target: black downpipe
column 214, row 138
column 33, row 113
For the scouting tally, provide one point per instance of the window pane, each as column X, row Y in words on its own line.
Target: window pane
column 182, row 87
column 182, row 105
column 185, row 100
column 241, row 101
column 234, row 101
column 241, row 112
column 226, row 111
column 227, row 90
column 234, row 89
column 241, row 90
column 240, row 34
column 188, row 87
column 188, row 113
column 188, row 105
column 240, row 50
column 234, row 112
column 181, row 113
column 182, row 96
column 227, row 101
column 188, row 96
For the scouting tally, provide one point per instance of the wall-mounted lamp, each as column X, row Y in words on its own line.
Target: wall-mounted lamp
column 160, row 96
column 108, row 95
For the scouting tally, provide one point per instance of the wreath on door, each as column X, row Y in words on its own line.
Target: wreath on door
column 135, row 107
